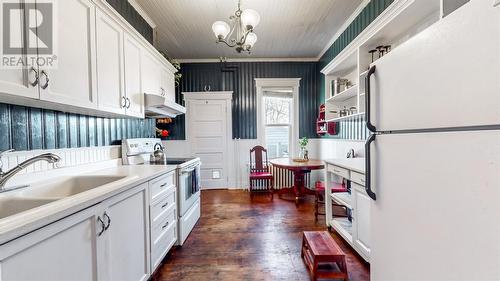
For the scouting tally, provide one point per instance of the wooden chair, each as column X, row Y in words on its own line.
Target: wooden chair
column 259, row 172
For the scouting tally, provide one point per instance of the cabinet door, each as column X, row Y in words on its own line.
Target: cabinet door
column 16, row 80
column 133, row 90
column 168, row 84
column 64, row 250
column 72, row 81
column 151, row 79
column 110, row 90
column 127, row 237
column 361, row 220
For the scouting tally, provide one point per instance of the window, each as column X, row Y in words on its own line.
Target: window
column 277, row 124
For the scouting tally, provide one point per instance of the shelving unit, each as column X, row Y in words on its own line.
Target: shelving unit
column 343, row 227
column 399, row 22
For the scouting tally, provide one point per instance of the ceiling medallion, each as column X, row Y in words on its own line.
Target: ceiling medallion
column 240, row 35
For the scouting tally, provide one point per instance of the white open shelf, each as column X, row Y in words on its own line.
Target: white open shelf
column 343, row 198
column 343, row 226
column 351, row 117
column 344, row 95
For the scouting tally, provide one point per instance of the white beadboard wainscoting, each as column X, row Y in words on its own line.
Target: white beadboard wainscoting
column 71, row 157
column 238, row 178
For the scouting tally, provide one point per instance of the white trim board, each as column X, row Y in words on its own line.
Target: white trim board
column 261, row 85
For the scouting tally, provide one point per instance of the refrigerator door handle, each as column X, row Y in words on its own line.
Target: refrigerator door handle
column 368, row 180
column 369, row 124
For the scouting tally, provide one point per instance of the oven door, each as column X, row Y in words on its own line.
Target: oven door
column 189, row 187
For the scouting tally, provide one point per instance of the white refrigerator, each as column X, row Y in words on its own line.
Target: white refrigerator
column 433, row 159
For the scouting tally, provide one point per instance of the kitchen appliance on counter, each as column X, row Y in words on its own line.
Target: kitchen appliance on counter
column 141, row 151
column 433, row 160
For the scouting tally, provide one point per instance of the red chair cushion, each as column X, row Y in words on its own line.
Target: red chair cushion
column 260, row 175
column 320, row 186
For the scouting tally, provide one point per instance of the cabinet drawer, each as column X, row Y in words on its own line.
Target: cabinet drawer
column 338, row 171
column 161, row 184
column 163, row 204
column 358, row 178
column 162, row 245
column 162, row 223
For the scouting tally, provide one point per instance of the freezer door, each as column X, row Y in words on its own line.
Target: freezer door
column 446, row 76
column 437, row 213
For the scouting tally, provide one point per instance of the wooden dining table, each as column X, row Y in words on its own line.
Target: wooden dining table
column 299, row 170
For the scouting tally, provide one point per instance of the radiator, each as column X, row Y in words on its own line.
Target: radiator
column 282, row 178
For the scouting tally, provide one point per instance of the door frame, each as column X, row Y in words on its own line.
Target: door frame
column 226, row 96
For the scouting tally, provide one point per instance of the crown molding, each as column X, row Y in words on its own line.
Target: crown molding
column 143, row 13
column 248, row 60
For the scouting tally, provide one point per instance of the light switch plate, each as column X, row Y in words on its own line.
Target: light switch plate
column 215, row 174
column 496, row 3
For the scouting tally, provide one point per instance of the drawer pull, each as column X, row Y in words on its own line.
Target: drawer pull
column 163, row 185
column 336, row 171
column 164, row 205
column 164, row 226
column 362, row 180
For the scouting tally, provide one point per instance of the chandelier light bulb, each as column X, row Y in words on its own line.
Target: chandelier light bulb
column 251, row 39
column 221, row 29
column 250, row 19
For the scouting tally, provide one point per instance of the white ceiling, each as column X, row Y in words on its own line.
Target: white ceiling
column 287, row 29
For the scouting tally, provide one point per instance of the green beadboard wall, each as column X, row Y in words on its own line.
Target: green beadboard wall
column 353, row 130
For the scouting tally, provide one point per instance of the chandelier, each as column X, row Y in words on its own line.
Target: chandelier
column 240, row 35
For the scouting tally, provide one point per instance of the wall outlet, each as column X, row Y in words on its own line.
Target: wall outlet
column 215, row 175
column 496, row 3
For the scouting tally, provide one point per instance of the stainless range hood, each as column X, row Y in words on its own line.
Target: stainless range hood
column 160, row 107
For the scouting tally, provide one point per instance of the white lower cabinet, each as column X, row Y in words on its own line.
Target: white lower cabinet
column 109, row 241
column 361, row 220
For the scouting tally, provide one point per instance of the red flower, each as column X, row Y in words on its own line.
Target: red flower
column 165, row 133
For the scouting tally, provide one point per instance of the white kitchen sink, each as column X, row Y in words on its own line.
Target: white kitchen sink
column 67, row 186
column 10, row 206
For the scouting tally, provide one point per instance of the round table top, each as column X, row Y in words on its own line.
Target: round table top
column 288, row 163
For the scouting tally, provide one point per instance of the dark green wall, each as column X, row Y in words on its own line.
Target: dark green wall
column 26, row 128
column 133, row 17
column 239, row 77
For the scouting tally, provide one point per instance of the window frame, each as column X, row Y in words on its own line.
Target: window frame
column 289, row 124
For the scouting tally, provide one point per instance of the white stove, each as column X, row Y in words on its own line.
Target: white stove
column 138, row 152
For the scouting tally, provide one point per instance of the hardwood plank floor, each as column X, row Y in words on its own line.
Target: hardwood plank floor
column 236, row 239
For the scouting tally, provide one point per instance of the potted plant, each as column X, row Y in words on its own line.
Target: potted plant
column 304, row 154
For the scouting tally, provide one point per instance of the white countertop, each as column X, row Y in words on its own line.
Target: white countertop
column 22, row 223
column 353, row 164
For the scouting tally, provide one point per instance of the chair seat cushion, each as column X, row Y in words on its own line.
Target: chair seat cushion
column 260, row 175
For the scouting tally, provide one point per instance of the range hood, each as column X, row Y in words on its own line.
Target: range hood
column 159, row 107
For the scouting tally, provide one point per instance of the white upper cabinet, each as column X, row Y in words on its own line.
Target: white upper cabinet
column 72, row 81
column 111, row 94
column 18, row 81
column 168, row 84
column 151, row 77
column 133, row 88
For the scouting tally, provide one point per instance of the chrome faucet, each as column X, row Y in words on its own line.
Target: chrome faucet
column 351, row 153
column 5, row 176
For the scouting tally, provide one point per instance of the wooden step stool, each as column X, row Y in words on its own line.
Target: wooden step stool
column 323, row 256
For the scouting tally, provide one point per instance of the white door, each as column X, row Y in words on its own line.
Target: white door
column 127, row 236
column 64, row 250
column 18, row 81
column 73, row 81
column 361, row 220
column 133, row 91
column 446, row 76
column 208, row 135
column 151, row 79
column 437, row 207
column 110, row 90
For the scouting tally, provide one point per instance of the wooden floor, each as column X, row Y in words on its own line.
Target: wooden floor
column 236, row 239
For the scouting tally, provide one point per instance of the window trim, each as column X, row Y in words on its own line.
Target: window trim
column 263, row 84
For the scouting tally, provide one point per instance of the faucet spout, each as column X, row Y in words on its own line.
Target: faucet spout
column 5, row 176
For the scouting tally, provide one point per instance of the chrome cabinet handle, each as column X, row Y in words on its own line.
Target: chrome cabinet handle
column 46, row 79
column 108, row 219
column 164, row 226
column 164, row 205
column 103, row 227
column 368, row 176
column 127, row 103
column 163, row 185
column 369, row 124
column 124, row 102
column 34, row 83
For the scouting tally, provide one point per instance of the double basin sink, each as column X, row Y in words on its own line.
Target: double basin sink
column 36, row 195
